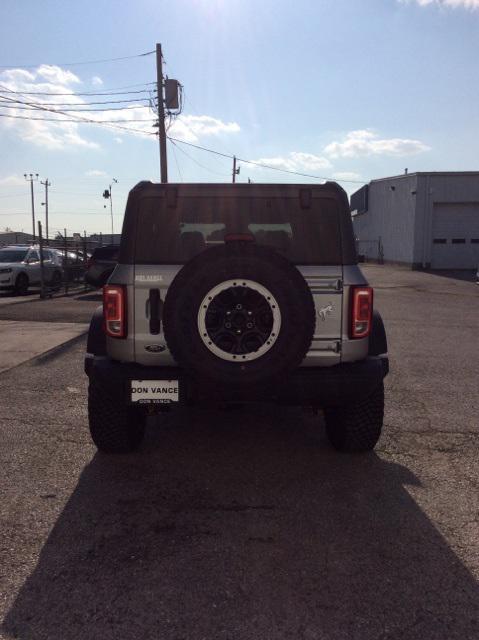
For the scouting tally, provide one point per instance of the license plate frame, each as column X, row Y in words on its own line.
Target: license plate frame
column 161, row 391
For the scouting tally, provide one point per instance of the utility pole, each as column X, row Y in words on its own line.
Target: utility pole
column 235, row 170
column 46, row 184
column 42, row 274
column 31, row 179
column 161, row 114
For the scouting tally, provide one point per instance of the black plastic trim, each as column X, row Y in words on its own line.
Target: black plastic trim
column 378, row 343
column 308, row 386
column 155, row 310
column 96, row 342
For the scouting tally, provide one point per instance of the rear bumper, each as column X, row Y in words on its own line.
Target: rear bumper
column 315, row 386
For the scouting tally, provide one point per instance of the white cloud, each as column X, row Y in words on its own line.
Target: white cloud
column 12, row 181
column 96, row 81
column 453, row 4
column 192, row 128
column 95, row 173
column 48, row 79
column 296, row 161
column 53, row 131
column 57, row 75
column 364, row 142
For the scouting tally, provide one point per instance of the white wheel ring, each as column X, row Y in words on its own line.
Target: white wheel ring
column 275, row 329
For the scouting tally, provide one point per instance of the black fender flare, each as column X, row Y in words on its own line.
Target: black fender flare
column 378, row 343
column 96, row 342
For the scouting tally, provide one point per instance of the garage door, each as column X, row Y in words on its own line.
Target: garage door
column 455, row 236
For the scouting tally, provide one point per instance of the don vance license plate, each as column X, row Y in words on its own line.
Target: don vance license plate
column 154, row 391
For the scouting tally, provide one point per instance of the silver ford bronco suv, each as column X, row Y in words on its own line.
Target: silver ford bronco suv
column 231, row 294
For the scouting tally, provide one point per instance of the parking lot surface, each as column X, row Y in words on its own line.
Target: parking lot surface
column 245, row 524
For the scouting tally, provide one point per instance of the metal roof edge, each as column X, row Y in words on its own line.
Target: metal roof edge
column 427, row 173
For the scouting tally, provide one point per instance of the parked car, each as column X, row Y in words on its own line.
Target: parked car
column 73, row 263
column 20, row 268
column 101, row 264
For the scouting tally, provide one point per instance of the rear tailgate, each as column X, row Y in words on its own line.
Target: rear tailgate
column 174, row 223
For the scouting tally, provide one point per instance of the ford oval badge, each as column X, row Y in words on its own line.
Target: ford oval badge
column 155, row 348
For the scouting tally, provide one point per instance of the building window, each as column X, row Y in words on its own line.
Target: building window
column 459, row 241
column 440, row 241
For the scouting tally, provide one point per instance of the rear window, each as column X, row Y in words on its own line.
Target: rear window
column 175, row 235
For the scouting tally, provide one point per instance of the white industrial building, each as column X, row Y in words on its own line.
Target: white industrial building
column 423, row 220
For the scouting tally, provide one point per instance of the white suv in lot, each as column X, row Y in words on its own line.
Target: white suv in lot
column 20, row 268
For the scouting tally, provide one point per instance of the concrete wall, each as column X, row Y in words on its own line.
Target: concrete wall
column 391, row 216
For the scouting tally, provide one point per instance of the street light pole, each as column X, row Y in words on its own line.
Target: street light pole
column 31, row 179
column 107, row 195
column 111, row 214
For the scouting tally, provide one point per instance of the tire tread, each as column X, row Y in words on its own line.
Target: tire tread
column 114, row 426
column 357, row 427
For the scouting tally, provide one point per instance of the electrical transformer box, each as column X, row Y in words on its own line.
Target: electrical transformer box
column 172, row 90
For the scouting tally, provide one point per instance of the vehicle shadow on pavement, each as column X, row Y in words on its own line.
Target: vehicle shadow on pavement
column 91, row 296
column 244, row 525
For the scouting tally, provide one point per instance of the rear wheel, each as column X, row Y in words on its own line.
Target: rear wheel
column 21, row 284
column 115, row 427
column 356, row 427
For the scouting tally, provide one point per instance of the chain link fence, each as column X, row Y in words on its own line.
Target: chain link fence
column 64, row 261
column 370, row 250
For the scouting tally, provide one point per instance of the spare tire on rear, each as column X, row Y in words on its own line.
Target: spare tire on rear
column 239, row 314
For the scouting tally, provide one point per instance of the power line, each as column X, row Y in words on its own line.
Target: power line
column 176, row 160
column 74, row 104
column 259, row 164
column 196, row 161
column 7, row 115
column 73, row 93
column 73, row 64
column 16, row 106
column 13, row 195
column 83, row 120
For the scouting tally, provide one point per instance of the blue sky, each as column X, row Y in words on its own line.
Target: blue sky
column 351, row 90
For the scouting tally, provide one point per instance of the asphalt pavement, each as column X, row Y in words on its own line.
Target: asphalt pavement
column 245, row 524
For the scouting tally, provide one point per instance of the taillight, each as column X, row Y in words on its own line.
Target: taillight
column 114, row 310
column 361, row 311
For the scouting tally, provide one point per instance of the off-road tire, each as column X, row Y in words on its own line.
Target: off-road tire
column 357, row 427
column 21, row 284
column 238, row 261
column 115, row 427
